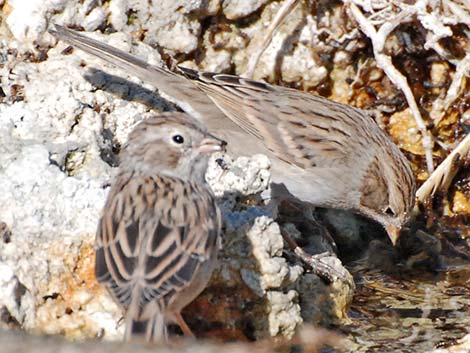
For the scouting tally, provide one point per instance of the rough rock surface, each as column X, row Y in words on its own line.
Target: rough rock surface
column 62, row 125
column 62, row 122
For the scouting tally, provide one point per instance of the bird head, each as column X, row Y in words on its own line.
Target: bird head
column 173, row 144
column 388, row 194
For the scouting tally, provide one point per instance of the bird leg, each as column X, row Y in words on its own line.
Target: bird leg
column 318, row 266
column 183, row 325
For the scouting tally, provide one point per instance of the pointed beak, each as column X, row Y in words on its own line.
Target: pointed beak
column 393, row 233
column 212, row 144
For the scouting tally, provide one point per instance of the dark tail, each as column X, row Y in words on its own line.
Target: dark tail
column 153, row 329
column 182, row 91
column 145, row 322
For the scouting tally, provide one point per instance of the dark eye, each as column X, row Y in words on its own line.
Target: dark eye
column 389, row 212
column 178, row 139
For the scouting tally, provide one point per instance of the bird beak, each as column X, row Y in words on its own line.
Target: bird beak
column 212, row 144
column 393, row 233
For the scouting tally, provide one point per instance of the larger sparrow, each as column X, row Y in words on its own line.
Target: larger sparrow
column 323, row 152
column 159, row 233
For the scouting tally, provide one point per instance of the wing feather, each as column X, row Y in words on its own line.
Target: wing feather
column 267, row 113
column 315, row 134
column 154, row 248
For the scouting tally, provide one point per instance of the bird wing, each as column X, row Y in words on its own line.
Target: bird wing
column 154, row 235
column 297, row 127
column 300, row 128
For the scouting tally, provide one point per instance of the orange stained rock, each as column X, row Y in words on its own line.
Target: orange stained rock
column 220, row 312
column 402, row 127
column 83, row 275
column 460, row 204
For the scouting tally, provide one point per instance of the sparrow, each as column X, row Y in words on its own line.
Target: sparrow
column 159, row 233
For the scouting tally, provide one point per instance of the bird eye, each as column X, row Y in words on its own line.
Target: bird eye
column 389, row 212
column 178, row 139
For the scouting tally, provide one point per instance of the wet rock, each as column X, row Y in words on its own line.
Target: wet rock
column 461, row 346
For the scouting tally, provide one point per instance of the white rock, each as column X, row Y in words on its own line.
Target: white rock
column 246, row 176
column 118, row 13
column 284, row 313
column 94, row 19
column 234, row 9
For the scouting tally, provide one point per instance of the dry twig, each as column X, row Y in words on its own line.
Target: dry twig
column 443, row 175
column 325, row 265
column 440, row 106
column 378, row 38
column 281, row 15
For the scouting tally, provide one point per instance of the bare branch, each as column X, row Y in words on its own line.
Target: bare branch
column 384, row 61
column 281, row 15
column 444, row 174
column 440, row 106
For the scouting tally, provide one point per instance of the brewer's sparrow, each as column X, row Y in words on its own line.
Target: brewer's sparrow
column 158, row 236
column 323, row 152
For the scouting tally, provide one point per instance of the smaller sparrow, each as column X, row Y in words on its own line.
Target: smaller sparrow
column 159, row 234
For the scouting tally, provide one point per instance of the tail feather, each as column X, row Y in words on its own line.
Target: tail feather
column 188, row 95
column 184, row 92
column 147, row 321
column 153, row 330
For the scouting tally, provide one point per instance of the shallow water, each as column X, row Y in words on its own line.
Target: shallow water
column 414, row 311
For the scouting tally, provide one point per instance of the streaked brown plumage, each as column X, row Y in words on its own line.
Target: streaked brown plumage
column 323, row 152
column 159, row 233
